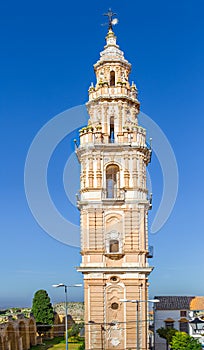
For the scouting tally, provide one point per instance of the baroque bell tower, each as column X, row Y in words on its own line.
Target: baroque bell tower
column 114, row 207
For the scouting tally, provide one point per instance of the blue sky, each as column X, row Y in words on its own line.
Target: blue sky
column 47, row 53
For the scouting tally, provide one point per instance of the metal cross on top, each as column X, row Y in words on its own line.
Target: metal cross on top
column 110, row 14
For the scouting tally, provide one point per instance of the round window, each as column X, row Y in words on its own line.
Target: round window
column 114, row 278
column 114, row 306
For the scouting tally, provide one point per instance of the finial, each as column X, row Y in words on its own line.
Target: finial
column 111, row 21
column 91, row 87
column 76, row 144
column 133, row 86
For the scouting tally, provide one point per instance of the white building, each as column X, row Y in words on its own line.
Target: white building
column 171, row 312
column 196, row 314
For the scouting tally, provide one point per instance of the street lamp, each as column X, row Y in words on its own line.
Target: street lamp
column 66, row 307
column 137, row 313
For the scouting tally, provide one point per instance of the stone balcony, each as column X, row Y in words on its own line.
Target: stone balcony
column 103, row 195
column 114, row 195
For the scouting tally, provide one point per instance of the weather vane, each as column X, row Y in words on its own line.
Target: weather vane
column 111, row 21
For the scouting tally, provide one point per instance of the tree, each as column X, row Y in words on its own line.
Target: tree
column 183, row 341
column 43, row 312
column 75, row 329
column 166, row 333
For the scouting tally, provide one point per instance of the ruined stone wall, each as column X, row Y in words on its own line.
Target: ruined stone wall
column 18, row 334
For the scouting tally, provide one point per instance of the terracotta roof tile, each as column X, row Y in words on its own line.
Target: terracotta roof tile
column 197, row 303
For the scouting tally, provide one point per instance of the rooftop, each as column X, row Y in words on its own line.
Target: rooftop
column 197, row 303
column 174, row 302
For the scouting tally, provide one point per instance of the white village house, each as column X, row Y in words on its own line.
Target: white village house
column 178, row 312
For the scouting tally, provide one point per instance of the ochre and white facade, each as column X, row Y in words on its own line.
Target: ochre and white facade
column 114, row 207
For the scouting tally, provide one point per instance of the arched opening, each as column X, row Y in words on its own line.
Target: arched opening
column 112, row 181
column 4, row 343
column 22, row 334
column 1, row 343
column 112, row 136
column 114, row 246
column 11, row 337
column 112, row 78
column 32, row 333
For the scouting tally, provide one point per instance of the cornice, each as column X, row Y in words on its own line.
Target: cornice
column 114, row 269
